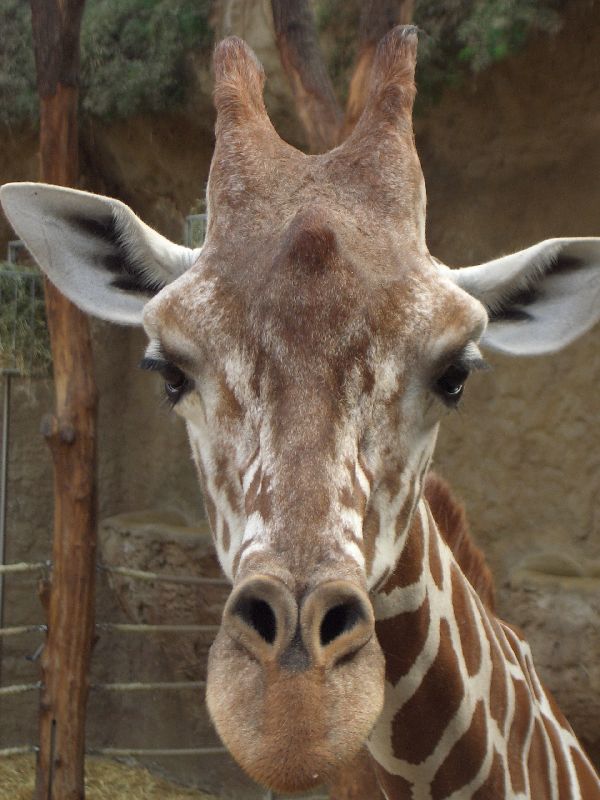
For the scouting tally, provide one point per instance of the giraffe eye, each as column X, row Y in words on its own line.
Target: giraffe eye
column 451, row 383
column 176, row 383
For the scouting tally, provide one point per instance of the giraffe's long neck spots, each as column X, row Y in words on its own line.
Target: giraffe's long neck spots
column 465, row 711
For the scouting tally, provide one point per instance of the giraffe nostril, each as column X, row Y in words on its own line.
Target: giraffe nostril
column 336, row 622
column 339, row 619
column 259, row 616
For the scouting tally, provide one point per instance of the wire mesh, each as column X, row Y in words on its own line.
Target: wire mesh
column 195, row 230
column 24, row 339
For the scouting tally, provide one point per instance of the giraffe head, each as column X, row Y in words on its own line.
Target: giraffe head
column 312, row 347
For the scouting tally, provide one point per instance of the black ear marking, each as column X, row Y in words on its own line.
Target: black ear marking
column 513, row 307
column 104, row 228
column 138, row 283
column 564, row 264
column 129, row 272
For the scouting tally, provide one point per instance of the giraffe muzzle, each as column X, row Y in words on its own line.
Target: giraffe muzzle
column 295, row 681
column 329, row 624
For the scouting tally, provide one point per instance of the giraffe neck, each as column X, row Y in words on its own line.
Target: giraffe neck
column 465, row 714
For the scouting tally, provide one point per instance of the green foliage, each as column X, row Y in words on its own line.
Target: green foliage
column 458, row 36
column 18, row 95
column 338, row 23
column 24, row 339
column 133, row 53
column 469, row 35
column 497, row 28
column 133, row 56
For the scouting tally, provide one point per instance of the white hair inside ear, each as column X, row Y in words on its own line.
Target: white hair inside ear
column 540, row 299
column 94, row 249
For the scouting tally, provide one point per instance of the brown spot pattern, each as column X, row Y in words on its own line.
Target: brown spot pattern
column 226, row 539
column 562, row 770
column 515, row 638
column 557, row 713
column 498, row 683
column 229, row 407
column 518, row 735
column 537, row 765
column 252, row 492
column 494, row 786
column 452, row 524
column 410, row 564
column 588, row 783
column 353, row 496
column 264, row 504
column 233, row 497
column 420, row 723
column 435, row 561
column 502, row 639
column 404, row 515
column 238, row 556
column 220, row 474
column 402, row 638
column 465, row 620
column 394, row 785
column 370, row 533
column 464, row 760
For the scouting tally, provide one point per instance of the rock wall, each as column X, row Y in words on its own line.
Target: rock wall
column 509, row 158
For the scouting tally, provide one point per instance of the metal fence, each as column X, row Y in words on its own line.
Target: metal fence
column 124, row 628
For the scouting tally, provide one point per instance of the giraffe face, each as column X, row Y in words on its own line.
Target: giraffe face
column 312, row 408
column 313, row 335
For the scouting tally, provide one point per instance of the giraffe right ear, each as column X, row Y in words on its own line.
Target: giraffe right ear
column 94, row 249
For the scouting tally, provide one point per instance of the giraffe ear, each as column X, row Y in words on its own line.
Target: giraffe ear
column 94, row 249
column 540, row 299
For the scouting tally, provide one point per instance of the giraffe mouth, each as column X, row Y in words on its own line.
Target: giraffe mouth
column 294, row 688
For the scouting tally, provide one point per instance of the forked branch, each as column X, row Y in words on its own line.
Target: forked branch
column 301, row 56
column 303, row 62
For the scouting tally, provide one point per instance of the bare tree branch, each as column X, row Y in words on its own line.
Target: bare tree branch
column 303, row 61
column 377, row 18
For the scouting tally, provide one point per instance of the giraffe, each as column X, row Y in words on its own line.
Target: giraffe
column 312, row 346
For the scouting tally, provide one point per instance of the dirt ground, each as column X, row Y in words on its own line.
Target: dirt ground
column 105, row 780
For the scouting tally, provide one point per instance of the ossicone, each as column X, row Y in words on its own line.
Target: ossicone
column 392, row 88
column 310, row 242
column 239, row 81
column 393, row 76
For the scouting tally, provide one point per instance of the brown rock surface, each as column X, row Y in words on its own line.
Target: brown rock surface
column 160, row 542
column 556, row 599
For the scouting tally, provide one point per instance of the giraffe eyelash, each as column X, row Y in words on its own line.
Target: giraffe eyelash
column 450, row 381
column 177, row 384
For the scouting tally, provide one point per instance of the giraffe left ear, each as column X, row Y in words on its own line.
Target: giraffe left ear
column 94, row 248
column 540, row 299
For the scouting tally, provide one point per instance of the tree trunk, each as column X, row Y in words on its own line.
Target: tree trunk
column 303, row 62
column 70, row 432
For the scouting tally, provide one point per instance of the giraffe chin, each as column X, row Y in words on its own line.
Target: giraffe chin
column 291, row 730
